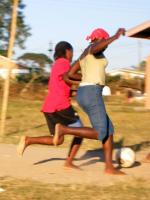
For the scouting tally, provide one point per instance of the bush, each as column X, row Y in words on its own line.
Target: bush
column 110, row 79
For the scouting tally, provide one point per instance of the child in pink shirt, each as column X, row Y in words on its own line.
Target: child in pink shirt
column 58, row 97
column 57, row 105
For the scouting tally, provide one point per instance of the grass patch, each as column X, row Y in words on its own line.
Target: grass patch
column 33, row 190
column 131, row 126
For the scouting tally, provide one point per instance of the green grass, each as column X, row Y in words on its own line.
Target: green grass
column 131, row 126
column 16, row 189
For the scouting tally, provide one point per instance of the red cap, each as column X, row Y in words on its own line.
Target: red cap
column 98, row 33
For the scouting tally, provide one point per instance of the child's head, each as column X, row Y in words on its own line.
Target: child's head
column 63, row 49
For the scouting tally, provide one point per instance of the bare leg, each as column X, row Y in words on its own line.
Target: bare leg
column 76, row 143
column 83, row 132
column 25, row 141
column 147, row 159
column 89, row 133
column 108, row 148
column 48, row 140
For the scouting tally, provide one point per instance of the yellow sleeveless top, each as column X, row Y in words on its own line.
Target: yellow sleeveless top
column 93, row 69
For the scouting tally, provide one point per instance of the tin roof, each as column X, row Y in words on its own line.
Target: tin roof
column 140, row 31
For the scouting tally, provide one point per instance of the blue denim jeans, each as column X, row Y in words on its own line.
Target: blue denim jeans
column 90, row 99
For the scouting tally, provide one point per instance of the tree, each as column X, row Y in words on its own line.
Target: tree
column 110, row 79
column 35, row 60
column 142, row 65
column 23, row 30
column 37, row 63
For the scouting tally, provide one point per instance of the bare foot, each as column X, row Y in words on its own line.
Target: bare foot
column 22, row 145
column 57, row 134
column 71, row 166
column 147, row 159
column 114, row 171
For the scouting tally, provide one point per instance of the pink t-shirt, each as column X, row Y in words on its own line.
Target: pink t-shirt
column 58, row 97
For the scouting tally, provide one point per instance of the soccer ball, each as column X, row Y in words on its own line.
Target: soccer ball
column 125, row 157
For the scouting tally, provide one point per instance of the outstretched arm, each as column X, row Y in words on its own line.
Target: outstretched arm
column 102, row 44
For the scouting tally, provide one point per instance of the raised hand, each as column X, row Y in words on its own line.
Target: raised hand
column 121, row 31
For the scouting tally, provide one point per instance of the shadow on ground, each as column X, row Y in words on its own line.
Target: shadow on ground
column 96, row 155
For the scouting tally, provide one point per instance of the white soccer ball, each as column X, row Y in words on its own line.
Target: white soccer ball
column 125, row 157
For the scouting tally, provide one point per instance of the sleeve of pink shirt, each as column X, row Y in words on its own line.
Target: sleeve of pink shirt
column 65, row 66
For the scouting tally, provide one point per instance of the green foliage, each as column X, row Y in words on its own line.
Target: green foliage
column 23, row 78
column 36, row 63
column 35, row 59
column 142, row 66
column 3, row 52
column 110, row 79
column 36, row 75
column 23, row 30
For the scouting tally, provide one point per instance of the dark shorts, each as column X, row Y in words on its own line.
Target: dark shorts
column 66, row 117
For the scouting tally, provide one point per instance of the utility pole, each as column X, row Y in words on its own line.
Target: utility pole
column 139, row 49
column 51, row 49
column 9, row 55
column 147, row 83
column 139, row 52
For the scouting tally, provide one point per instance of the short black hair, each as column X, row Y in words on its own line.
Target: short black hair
column 60, row 49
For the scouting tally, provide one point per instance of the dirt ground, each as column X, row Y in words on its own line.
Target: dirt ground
column 45, row 164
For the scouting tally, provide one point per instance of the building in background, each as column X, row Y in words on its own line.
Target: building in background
column 15, row 68
column 143, row 31
column 127, row 73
